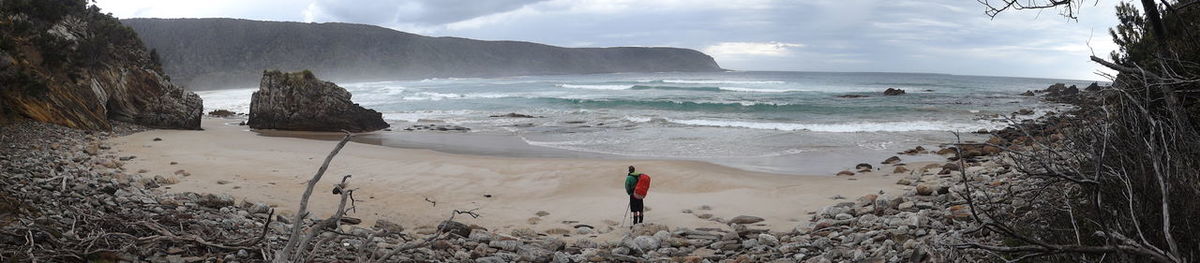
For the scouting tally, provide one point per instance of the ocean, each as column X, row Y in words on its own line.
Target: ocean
column 780, row 122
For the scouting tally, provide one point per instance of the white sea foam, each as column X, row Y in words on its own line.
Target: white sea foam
column 452, row 116
column 235, row 100
column 638, row 119
column 899, row 126
column 630, row 87
column 441, row 96
column 756, row 90
column 596, row 87
column 688, row 81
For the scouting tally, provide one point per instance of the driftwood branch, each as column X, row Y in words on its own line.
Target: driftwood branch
column 287, row 251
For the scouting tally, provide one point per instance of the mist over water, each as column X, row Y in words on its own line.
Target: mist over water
column 789, row 122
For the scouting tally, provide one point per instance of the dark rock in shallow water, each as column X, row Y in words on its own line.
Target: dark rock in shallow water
column 512, row 115
column 299, row 101
column 893, row 92
column 1027, row 93
column 891, row 160
column 1061, row 90
column 864, row 166
column 221, row 113
column 852, row 96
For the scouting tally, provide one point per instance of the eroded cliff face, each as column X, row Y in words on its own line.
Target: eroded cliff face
column 299, row 101
column 79, row 68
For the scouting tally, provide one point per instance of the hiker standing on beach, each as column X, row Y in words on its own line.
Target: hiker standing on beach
column 637, row 185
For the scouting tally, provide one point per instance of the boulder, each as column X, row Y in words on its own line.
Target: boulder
column 456, row 228
column 1027, row 93
column 388, row 226
column 533, row 253
column 1061, row 90
column 744, row 220
column 646, row 243
column 900, row 169
column 863, row 167
column 648, row 229
column 951, row 167
column 893, row 92
column 222, row 113
column 215, row 200
column 917, row 150
column 931, row 189
column 845, row 173
column 1093, row 87
column 299, row 101
column 768, row 240
column 959, row 212
column 891, row 160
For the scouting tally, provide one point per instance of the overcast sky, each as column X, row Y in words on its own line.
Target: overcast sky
column 934, row 36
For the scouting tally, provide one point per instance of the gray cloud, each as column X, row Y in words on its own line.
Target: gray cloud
column 939, row 36
column 421, row 12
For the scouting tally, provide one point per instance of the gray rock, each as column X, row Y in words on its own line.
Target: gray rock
column 533, row 253
column 491, row 259
column 455, row 227
column 506, row 245
column 388, row 226
column 300, row 101
column 481, row 236
column 560, row 257
column 646, row 243
column 744, row 219
column 768, row 240
column 863, row 167
column 662, row 235
column 215, row 200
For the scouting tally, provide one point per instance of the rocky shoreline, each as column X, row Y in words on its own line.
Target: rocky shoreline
column 87, row 180
column 66, row 192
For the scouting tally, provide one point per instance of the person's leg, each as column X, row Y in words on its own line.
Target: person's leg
column 640, row 211
column 634, row 209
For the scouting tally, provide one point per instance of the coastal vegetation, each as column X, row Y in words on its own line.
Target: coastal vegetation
column 1119, row 183
column 65, row 62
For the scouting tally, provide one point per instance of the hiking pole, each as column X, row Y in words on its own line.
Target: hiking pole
column 624, row 216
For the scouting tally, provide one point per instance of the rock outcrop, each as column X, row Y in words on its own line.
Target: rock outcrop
column 79, row 68
column 893, row 92
column 299, row 101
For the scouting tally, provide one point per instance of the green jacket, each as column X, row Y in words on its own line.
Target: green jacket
column 631, row 182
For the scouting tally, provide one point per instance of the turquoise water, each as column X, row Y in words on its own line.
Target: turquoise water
column 792, row 122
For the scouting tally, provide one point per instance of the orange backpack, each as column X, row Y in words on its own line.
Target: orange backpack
column 643, row 187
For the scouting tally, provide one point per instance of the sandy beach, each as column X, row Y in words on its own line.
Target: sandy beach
column 394, row 183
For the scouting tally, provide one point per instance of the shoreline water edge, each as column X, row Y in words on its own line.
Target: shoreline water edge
column 230, row 180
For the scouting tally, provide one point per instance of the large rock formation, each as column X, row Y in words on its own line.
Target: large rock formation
column 63, row 63
column 299, row 101
column 213, row 53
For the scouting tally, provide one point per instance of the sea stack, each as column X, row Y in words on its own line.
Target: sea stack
column 299, row 101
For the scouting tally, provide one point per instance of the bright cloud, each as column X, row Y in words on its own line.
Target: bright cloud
column 936, row 36
column 730, row 49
